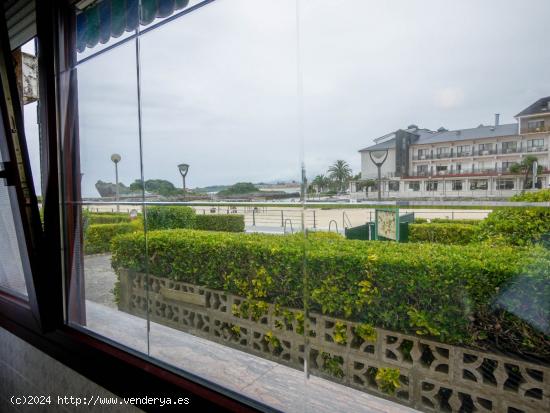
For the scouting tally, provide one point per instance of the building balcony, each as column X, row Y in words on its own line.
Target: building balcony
column 478, row 152
column 541, row 129
column 485, row 152
column 469, row 172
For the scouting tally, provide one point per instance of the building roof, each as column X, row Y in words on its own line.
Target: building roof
column 427, row 136
column 380, row 146
column 481, row 132
column 540, row 106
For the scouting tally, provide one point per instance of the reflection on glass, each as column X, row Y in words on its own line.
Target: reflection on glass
column 110, row 160
column 219, row 124
column 436, row 304
column 12, row 250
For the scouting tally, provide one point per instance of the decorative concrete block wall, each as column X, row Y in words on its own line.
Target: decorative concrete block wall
column 433, row 376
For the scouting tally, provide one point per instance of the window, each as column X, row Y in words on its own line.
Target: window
column 422, row 170
column 457, row 185
column 423, row 153
column 443, row 152
column 463, row 150
column 504, row 184
column 441, row 169
column 509, row 147
column 478, row 184
column 535, row 145
column 431, row 185
column 414, row 186
column 485, row 148
column 186, row 129
column 506, row 165
column 535, row 125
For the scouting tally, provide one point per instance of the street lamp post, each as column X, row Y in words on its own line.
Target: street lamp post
column 378, row 158
column 183, row 168
column 115, row 157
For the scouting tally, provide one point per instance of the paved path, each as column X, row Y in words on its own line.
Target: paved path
column 100, row 279
column 276, row 385
column 279, row 386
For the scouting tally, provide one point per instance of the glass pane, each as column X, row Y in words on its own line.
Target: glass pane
column 220, row 135
column 13, row 255
column 437, row 296
column 109, row 160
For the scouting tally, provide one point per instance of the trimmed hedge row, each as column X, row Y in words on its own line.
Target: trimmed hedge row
column 97, row 238
column 516, row 226
column 107, row 218
column 444, row 233
column 542, row 195
column 173, row 217
column 170, row 217
column 226, row 223
column 447, row 221
column 445, row 291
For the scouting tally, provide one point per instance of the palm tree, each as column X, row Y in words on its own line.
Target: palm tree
column 340, row 172
column 321, row 182
column 525, row 167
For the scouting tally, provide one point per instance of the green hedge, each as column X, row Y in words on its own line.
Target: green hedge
column 542, row 195
column 107, row 218
column 227, row 223
column 170, row 217
column 443, row 233
column 448, row 221
column 97, row 238
column 516, row 226
column 444, row 291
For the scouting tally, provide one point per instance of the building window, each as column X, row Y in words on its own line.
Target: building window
column 457, row 185
column 393, row 186
column 463, row 150
column 423, row 154
column 506, row 166
column 422, row 170
column 503, row 184
column 509, row 147
column 431, row 186
column 485, row 148
column 535, row 126
column 443, row 152
column 535, row 145
column 479, row 184
column 414, row 186
column 441, row 169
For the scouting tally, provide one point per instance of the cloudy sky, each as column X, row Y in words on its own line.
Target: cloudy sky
column 219, row 86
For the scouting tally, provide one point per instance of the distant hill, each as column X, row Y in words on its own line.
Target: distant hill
column 240, row 188
column 212, row 188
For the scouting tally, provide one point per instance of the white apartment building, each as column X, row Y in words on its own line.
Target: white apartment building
column 469, row 163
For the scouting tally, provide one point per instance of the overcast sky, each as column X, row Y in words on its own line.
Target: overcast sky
column 219, row 86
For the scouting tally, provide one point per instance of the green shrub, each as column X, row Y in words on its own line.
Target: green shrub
column 516, row 226
column 110, row 218
column 542, row 195
column 444, row 291
column 226, row 223
column 170, row 217
column 443, row 233
column 447, row 221
column 98, row 237
column 456, row 221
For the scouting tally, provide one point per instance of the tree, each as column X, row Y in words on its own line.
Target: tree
column 321, row 182
column 239, row 188
column 340, row 172
column 526, row 168
column 156, row 186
